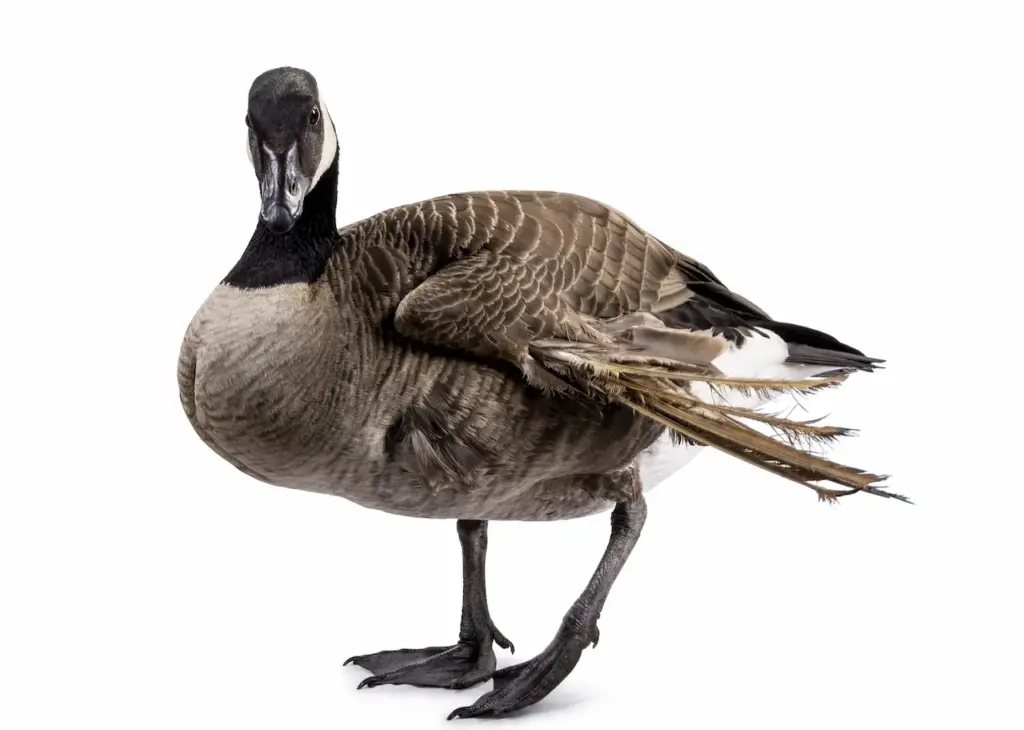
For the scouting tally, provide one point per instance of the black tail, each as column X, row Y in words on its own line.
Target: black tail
column 718, row 308
column 811, row 347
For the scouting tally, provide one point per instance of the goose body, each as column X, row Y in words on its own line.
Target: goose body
column 509, row 355
column 308, row 385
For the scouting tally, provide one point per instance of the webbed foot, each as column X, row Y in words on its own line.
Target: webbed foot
column 453, row 667
column 522, row 685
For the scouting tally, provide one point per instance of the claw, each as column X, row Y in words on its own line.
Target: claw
column 501, row 640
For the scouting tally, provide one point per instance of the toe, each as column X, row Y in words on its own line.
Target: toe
column 501, row 640
column 383, row 662
column 468, row 711
column 372, row 681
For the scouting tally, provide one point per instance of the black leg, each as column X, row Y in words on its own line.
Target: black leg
column 461, row 665
column 521, row 685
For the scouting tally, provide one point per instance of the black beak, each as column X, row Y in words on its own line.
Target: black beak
column 283, row 188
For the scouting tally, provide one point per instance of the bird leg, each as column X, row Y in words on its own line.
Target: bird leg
column 461, row 665
column 521, row 685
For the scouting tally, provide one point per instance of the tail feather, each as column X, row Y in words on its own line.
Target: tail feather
column 664, row 390
column 809, row 346
column 841, row 361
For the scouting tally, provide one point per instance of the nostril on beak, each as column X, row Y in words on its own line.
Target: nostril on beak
column 293, row 187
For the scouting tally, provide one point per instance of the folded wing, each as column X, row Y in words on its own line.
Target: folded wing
column 582, row 300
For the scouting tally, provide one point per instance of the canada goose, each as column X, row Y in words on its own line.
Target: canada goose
column 506, row 355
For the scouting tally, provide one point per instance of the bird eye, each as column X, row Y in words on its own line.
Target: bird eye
column 314, row 116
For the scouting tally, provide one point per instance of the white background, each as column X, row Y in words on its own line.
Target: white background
column 856, row 167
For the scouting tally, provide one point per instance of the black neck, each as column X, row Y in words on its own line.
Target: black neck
column 300, row 255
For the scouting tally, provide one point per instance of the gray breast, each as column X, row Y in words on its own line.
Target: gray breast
column 259, row 357
column 289, row 390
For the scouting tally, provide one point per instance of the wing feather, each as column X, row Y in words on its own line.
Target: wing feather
column 584, row 301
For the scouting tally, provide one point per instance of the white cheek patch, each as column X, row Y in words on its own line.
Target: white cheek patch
column 330, row 147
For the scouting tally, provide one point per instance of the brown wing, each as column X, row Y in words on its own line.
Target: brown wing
column 520, row 266
column 603, row 305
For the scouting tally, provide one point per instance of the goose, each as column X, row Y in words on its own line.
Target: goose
column 493, row 355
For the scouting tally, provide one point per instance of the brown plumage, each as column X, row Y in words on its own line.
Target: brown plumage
column 417, row 308
column 522, row 275
column 487, row 355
